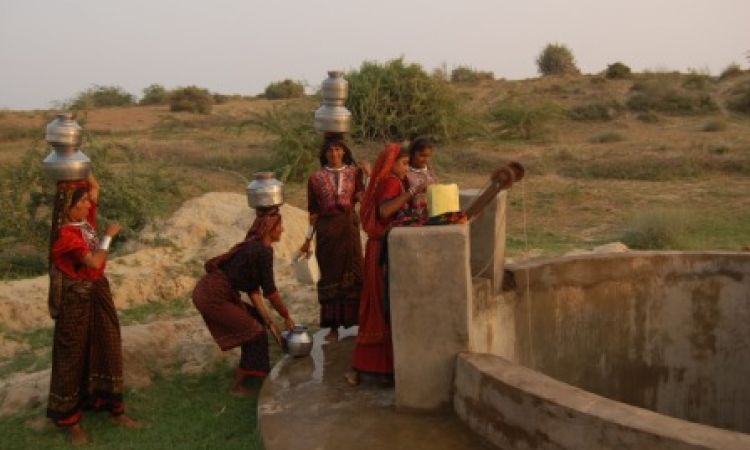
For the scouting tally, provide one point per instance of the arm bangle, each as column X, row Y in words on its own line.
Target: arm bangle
column 104, row 245
column 310, row 231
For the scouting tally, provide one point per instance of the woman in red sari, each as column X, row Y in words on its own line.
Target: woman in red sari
column 384, row 198
column 87, row 349
column 332, row 193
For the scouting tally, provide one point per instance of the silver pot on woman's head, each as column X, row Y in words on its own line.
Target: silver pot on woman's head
column 265, row 191
column 65, row 162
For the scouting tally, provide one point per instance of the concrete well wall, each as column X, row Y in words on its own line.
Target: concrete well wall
column 515, row 408
column 665, row 331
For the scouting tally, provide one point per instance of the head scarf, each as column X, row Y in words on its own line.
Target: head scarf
column 266, row 219
column 368, row 212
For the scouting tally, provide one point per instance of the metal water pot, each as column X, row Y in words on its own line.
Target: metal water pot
column 297, row 342
column 65, row 162
column 333, row 115
column 265, row 191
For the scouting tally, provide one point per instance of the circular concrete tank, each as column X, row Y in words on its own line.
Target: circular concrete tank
column 668, row 332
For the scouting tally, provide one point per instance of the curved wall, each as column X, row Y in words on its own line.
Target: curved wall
column 665, row 331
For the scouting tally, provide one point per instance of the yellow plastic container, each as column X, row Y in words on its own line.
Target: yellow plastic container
column 442, row 198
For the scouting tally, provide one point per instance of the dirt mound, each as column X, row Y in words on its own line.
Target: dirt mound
column 201, row 228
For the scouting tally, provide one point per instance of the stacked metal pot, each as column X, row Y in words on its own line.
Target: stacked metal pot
column 66, row 162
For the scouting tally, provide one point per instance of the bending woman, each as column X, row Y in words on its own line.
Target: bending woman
column 384, row 198
column 87, row 348
column 332, row 193
column 246, row 267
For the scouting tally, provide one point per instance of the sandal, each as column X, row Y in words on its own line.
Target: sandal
column 352, row 378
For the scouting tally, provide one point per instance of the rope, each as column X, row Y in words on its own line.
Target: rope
column 528, row 283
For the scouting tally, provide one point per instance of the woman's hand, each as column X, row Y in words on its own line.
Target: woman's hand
column 305, row 249
column 366, row 167
column 274, row 329
column 289, row 322
column 113, row 229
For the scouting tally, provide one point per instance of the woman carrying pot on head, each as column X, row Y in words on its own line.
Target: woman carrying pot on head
column 421, row 173
column 87, row 370
column 246, row 267
column 332, row 193
column 384, row 198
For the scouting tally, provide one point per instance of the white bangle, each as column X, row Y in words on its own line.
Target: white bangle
column 104, row 245
column 310, row 231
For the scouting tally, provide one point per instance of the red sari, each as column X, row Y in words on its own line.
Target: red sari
column 373, row 352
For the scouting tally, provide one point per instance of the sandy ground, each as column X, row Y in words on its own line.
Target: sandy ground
column 202, row 228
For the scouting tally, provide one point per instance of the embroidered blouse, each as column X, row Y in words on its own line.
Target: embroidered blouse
column 74, row 242
column 333, row 191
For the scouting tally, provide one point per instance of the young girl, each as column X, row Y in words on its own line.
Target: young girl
column 420, row 173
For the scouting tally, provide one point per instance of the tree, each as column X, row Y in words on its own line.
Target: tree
column 557, row 59
column 191, row 99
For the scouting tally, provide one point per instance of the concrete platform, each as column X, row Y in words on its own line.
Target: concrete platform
column 305, row 404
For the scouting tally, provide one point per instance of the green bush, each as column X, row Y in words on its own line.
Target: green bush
column 464, row 74
column 556, row 59
column 731, row 71
column 739, row 98
column 284, row 90
column 601, row 110
column 714, row 125
column 697, row 80
column 296, row 147
column 100, row 97
column 156, row 94
column 618, row 71
column 516, row 121
column 607, row 137
column 656, row 231
column 396, row 101
column 191, row 99
column 665, row 93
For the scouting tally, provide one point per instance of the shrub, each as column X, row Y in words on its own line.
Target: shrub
column 464, row 74
column 606, row 137
column 556, row 59
column 664, row 93
column 714, row 125
column 731, row 71
column 397, row 101
column 220, row 99
column 296, row 148
column 191, row 99
column 618, row 71
column 284, row 89
column 603, row 110
column 100, row 97
column 156, row 94
column 696, row 80
column 739, row 98
column 523, row 121
column 656, row 231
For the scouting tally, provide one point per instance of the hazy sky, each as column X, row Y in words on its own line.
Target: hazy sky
column 52, row 50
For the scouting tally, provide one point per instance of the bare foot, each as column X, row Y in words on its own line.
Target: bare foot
column 127, row 422
column 78, row 436
column 352, row 377
column 241, row 392
column 333, row 336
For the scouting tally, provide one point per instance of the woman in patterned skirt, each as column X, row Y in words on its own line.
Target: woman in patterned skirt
column 246, row 267
column 332, row 193
column 87, row 348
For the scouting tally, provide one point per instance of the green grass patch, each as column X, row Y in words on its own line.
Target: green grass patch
column 34, row 357
column 180, row 412
column 170, row 309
